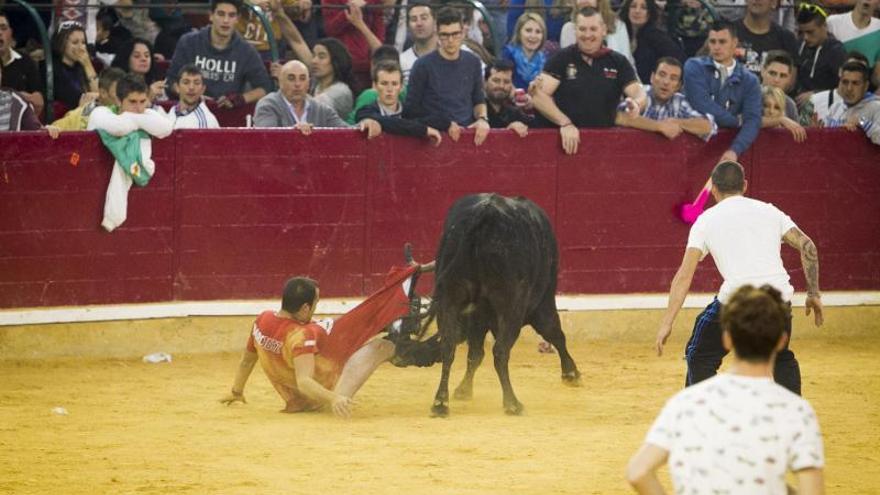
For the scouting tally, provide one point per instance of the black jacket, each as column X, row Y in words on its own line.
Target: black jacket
column 396, row 124
column 652, row 44
column 817, row 67
column 506, row 116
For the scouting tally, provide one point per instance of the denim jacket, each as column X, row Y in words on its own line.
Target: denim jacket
column 736, row 104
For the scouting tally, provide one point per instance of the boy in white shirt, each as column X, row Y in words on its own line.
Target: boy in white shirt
column 738, row 432
column 132, row 116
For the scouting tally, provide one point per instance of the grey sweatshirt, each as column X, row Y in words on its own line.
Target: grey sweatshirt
column 868, row 111
column 234, row 69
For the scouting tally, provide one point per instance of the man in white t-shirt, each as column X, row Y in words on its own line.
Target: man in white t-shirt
column 743, row 235
column 423, row 31
column 859, row 31
column 738, row 432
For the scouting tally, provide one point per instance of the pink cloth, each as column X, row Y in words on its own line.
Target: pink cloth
column 690, row 211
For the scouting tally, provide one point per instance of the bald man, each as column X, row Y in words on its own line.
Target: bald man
column 291, row 105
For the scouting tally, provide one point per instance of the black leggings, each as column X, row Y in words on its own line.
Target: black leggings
column 704, row 351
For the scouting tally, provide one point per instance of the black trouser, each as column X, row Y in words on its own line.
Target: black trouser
column 704, row 351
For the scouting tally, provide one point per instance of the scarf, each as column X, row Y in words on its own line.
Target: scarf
column 127, row 152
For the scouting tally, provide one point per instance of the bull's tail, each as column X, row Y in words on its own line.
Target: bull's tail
column 457, row 245
column 464, row 243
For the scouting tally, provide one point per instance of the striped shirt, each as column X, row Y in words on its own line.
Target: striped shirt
column 198, row 118
column 676, row 107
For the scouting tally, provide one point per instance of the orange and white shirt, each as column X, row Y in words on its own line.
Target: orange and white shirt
column 277, row 341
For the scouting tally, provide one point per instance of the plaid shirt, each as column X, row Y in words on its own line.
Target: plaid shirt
column 676, row 108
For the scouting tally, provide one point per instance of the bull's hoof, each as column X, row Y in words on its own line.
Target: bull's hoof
column 463, row 393
column 572, row 378
column 439, row 409
column 515, row 409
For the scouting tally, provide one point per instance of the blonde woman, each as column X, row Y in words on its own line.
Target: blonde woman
column 774, row 101
column 525, row 50
column 555, row 13
column 617, row 38
column 774, row 113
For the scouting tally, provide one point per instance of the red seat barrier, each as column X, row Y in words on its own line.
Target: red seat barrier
column 230, row 214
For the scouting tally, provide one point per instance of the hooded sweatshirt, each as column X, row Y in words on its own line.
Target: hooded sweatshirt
column 234, row 69
column 868, row 111
column 818, row 66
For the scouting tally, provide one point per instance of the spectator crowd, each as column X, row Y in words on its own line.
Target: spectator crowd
column 429, row 69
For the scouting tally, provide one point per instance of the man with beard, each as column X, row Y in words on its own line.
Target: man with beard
column 191, row 112
column 502, row 113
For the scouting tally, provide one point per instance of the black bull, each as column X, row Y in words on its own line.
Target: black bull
column 496, row 271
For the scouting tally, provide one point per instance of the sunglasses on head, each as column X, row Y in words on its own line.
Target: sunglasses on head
column 811, row 7
column 69, row 25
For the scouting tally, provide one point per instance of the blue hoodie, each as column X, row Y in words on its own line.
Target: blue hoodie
column 225, row 71
column 737, row 104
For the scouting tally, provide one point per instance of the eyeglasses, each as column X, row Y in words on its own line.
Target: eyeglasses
column 447, row 36
column 811, row 7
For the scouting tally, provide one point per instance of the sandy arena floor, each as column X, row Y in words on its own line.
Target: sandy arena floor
column 142, row 428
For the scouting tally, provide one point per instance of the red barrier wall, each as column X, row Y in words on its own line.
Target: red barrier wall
column 231, row 214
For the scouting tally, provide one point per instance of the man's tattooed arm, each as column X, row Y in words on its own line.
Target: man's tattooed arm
column 809, row 257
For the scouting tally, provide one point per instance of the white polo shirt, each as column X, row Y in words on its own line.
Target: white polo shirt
column 744, row 237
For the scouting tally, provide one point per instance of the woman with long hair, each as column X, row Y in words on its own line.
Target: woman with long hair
column 332, row 76
column 647, row 41
column 136, row 57
column 554, row 12
column 617, row 38
column 74, row 73
column 525, row 50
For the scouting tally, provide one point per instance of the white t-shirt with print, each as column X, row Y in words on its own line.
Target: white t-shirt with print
column 744, row 236
column 735, row 434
